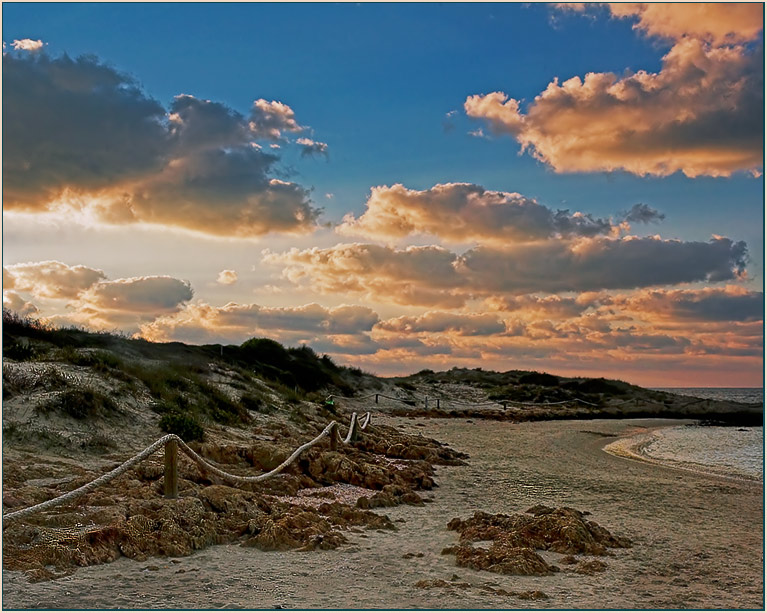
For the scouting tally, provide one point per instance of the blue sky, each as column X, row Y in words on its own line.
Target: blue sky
column 376, row 82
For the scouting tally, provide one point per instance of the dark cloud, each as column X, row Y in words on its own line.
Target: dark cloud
column 434, row 276
column 643, row 213
column 78, row 133
column 74, row 124
column 732, row 304
column 153, row 295
column 311, row 147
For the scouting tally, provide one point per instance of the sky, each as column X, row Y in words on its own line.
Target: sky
column 571, row 188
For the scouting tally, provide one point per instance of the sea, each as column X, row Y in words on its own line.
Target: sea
column 736, row 451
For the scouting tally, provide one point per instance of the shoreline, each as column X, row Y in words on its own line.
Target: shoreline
column 634, row 447
column 697, row 539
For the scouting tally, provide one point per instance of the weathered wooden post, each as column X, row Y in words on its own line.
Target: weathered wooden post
column 334, row 437
column 438, row 403
column 426, row 402
column 355, row 430
column 171, row 469
column 376, row 398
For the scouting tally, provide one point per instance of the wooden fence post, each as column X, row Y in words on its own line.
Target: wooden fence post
column 426, row 402
column 355, row 430
column 438, row 403
column 334, row 438
column 376, row 398
column 171, row 469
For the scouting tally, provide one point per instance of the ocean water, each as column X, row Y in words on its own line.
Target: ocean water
column 736, row 451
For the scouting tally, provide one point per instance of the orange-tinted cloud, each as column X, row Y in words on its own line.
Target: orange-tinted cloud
column 718, row 22
column 461, row 324
column 313, row 324
column 14, row 302
column 271, row 119
column 702, row 114
column 433, row 276
column 462, row 212
column 414, row 276
column 50, row 279
column 727, row 304
column 196, row 166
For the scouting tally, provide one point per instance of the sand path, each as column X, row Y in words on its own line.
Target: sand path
column 698, row 539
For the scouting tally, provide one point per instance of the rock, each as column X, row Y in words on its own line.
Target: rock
column 502, row 558
column 539, row 509
column 516, row 537
column 590, row 567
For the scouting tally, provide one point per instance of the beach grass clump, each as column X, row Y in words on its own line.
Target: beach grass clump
column 80, row 403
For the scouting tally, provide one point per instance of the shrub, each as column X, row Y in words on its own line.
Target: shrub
column 181, row 424
column 252, row 402
column 81, row 403
column 540, row 378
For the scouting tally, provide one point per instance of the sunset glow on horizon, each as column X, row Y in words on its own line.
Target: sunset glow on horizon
column 571, row 188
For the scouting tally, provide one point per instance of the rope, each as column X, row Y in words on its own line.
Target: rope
column 128, row 464
column 89, row 487
column 470, row 404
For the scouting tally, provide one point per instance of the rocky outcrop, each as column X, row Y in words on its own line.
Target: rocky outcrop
column 515, row 539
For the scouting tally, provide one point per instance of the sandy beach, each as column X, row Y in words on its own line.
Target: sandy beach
column 697, row 538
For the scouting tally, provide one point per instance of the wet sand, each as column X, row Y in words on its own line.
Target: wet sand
column 698, row 538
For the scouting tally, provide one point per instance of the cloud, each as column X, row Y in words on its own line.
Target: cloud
column 14, row 302
column 80, row 136
column 271, row 119
column 701, row 114
column 643, row 213
column 720, row 23
column 463, row 212
column 27, row 44
column 50, row 279
column 731, row 303
column 436, row 277
column 227, row 277
column 415, row 275
column 553, row 306
column 311, row 147
column 474, row 324
column 63, row 120
column 601, row 263
column 196, row 125
column 344, row 326
column 223, row 192
column 136, row 295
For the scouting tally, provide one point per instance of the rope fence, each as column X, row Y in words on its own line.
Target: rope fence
column 438, row 401
column 172, row 443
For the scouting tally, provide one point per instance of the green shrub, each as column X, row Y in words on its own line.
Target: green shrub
column 81, row 403
column 182, row 424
